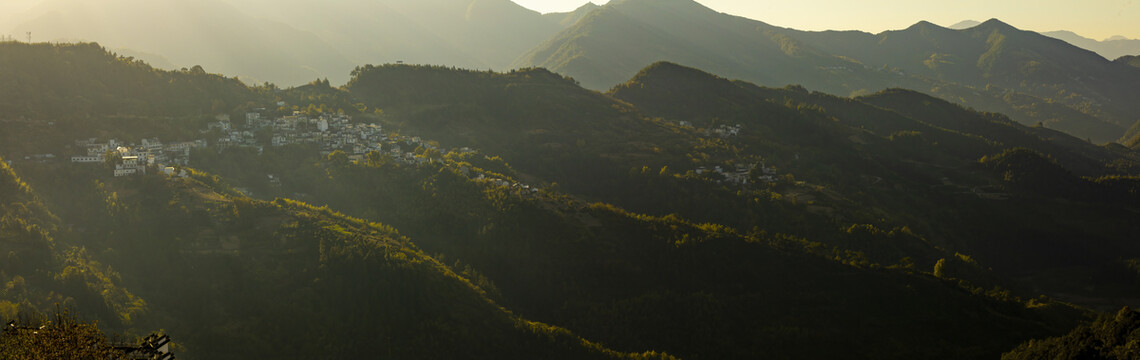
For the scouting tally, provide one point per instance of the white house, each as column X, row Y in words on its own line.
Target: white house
column 131, row 165
column 152, row 145
column 87, row 159
column 121, row 171
column 97, row 149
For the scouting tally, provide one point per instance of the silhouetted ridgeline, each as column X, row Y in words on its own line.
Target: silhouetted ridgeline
column 992, row 66
column 79, row 80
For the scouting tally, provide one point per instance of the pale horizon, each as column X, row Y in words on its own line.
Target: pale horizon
column 1096, row 19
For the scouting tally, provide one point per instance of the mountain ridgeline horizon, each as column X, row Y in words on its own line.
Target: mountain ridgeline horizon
column 990, row 65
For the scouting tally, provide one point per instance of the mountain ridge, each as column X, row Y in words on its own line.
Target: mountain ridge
column 923, row 56
column 1111, row 48
column 603, row 46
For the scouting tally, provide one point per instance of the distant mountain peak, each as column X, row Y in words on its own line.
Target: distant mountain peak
column 567, row 19
column 662, row 72
column 585, row 8
column 924, row 25
column 1062, row 32
column 667, row 67
column 690, row 3
column 996, row 24
column 965, row 24
column 1111, row 48
column 652, row 1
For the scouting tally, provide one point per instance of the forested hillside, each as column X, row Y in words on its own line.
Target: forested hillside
column 1133, row 60
column 520, row 215
column 695, row 290
column 863, row 162
column 1109, row 338
column 540, row 121
column 908, row 162
column 83, row 80
column 995, row 54
column 231, row 277
column 41, row 270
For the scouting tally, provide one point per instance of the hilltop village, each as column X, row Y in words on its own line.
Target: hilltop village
column 330, row 133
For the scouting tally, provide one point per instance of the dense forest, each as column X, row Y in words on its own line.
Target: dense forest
column 679, row 214
column 236, row 278
column 1109, row 337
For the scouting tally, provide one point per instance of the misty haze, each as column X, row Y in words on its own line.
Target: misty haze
column 633, row 179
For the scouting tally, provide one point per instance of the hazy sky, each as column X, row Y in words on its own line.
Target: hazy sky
column 1098, row 19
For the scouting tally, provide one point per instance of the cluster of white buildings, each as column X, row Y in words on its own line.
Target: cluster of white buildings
column 720, row 131
column 330, row 131
column 740, row 174
column 135, row 158
column 397, row 149
column 725, row 131
column 231, row 137
column 524, row 188
column 494, row 181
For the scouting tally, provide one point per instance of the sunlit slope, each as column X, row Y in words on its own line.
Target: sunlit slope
column 285, row 279
column 44, row 266
column 916, row 158
column 636, row 281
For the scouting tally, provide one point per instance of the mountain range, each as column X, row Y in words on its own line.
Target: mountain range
column 990, row 66
column 294, row 42
column 653, row 180
column 1111, row 48
column 889, row 225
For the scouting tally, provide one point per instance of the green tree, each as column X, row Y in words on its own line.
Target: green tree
column 112, row 158
column 432, row 154
column 374, row 158
column 64, row 338
column 338, row 158
column 940, row 268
